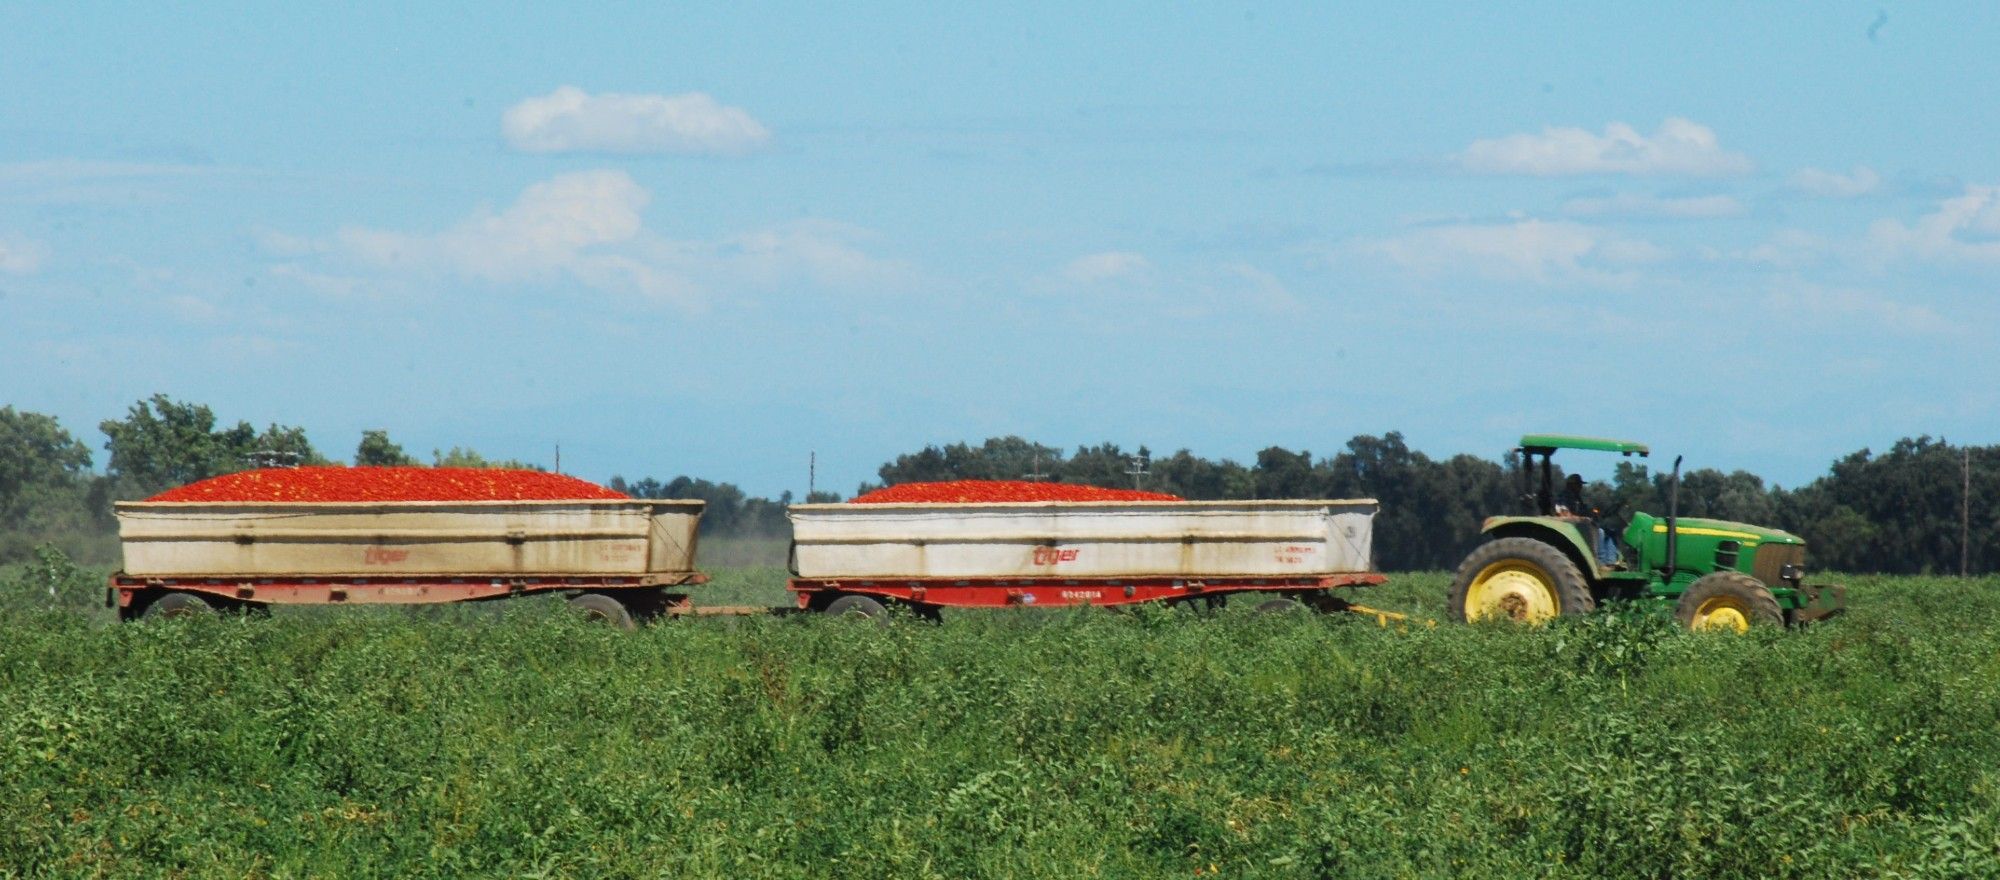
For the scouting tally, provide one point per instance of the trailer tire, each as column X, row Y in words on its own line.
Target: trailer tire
column 177, row 604
column 1519, row 579
column 1728, row 601
column 857, row 606
column 600, row 608
column 1280, row 606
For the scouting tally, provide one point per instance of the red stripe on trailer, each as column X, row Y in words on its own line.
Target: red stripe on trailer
column 1005, row 592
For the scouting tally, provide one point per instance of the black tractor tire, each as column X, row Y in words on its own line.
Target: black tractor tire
column 1521, row 579
column 857, row 607
column 177, row 604
column 1728, row 600
column 605, row 609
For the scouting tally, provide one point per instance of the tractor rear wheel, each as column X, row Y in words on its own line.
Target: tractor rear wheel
column 1728, row 601
column 1518, row 579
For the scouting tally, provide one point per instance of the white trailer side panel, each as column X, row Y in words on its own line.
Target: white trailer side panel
column 275, row 539
column 1083, row 539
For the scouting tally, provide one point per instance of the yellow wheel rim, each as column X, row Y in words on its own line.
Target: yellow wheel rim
column 1512, row 589
column 1721, row 614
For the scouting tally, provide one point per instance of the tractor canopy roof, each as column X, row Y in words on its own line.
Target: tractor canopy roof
column 1547, row 443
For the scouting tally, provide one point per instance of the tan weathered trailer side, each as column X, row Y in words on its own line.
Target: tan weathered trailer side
column 1098, row 552
column 405, row 552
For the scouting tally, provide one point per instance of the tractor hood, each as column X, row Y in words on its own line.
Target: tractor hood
column 1698, row 527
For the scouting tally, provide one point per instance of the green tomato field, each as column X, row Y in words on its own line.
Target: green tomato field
column 509, row 740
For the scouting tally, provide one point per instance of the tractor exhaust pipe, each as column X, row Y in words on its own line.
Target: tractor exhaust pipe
column 1673, row 521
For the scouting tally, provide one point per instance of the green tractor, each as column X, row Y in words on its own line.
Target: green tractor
column 1561, row 559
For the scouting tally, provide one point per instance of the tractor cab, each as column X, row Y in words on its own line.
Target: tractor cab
column 1541, row 497
column 1562, row 556
column 1534, row 462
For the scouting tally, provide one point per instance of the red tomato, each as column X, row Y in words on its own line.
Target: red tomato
column 348, row 484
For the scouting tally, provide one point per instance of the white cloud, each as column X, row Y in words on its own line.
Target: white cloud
column 548, row 230
column 1183, row 291
column 1834, row 185
column 1856, row 309
column 1640, row 205
column 821, row 250
column 21, row 257
column 1679, row 147
column 1540, row 251
column 1105, row 266
column 586, row 228
column 569, row 120
column 1963, row 229
column 1242, row 283
column 1788, row 249
column 336, row 286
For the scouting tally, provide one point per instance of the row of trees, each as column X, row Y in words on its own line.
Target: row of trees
column 50, row 493
column 1898, row 511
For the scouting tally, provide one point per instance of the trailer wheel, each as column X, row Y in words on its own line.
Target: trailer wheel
column 1518, row 579
column 1280, row 606
column 177, row 604
column 858, row 607
column 1728, row 601
column 600, row 608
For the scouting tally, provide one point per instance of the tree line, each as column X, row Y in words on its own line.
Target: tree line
column 1898, row 511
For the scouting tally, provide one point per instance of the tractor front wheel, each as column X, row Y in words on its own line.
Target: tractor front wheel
column 1728, row 601
column 1518, row 579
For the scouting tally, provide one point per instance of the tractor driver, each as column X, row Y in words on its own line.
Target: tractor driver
column 1572, row 504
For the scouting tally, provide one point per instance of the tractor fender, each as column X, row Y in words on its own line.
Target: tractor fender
column 1565, row 536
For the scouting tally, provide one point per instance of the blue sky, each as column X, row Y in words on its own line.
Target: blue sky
column 713, row 239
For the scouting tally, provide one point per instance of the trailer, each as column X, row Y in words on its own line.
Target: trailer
column 862, row 558
column 620, row 560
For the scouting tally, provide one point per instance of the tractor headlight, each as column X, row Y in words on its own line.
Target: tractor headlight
column 1791, row 573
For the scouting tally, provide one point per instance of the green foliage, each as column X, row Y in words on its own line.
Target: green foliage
column 376, row 450
column 1041, row 743
column 162, row 443
column 730, row 512
column 468, row 458
column 35, row 452
column 1899, row 511
column 281, row 446
column 50, row 581
column 999, row 458
column 46, row 489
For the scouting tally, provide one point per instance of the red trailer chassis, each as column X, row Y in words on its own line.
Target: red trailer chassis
column 649, row 592
column 817, row 594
